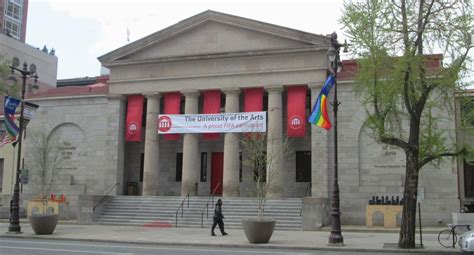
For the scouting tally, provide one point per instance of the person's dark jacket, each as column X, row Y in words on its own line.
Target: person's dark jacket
column 218, row 212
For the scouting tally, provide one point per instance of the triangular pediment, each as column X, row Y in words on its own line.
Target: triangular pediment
column 211, row 33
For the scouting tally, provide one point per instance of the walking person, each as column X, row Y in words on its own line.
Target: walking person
column 218, row 218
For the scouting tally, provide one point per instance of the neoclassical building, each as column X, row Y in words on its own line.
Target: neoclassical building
column 219, row 63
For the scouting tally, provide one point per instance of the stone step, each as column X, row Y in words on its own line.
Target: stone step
column 161, row 211
column 205, row 225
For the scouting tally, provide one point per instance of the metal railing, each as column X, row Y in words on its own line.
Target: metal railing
column 181, row 207
column 206, row 207
column 106, row 194
column 306, row 193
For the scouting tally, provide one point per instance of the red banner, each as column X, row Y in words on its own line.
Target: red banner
column 296, row 107
column 212, row 104
column 172, row 106
column 133, row 132
column 253, row 100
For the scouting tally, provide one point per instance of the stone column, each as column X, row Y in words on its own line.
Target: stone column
column 231, row 185
column 191, row 169
column 275, row 176
column 319, row 152
column 151, row 168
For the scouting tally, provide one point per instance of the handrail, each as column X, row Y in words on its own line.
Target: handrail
column 182, row 209
column 206, row 207
column 106, row 194
column 308, row 188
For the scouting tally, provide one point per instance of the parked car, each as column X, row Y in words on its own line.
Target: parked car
column 466, row 241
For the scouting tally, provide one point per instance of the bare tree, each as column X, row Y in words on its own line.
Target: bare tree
column 262, row 162
column 44, row 161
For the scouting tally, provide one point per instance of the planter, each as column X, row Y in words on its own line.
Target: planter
column 44, row 224
column 258, row 231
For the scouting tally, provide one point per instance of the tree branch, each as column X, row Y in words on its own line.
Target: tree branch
column 395, row 141
column 430, row 158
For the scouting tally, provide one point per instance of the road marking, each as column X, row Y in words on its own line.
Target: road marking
column 151, row 247
column 61, row 250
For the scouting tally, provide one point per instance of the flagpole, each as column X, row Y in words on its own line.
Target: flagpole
column 15, row 227
column 335, row 238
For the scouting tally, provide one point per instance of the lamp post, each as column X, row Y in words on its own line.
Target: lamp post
column 15, row 227
column 333, row 54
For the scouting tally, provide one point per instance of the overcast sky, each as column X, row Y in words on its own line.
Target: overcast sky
column 82, row 30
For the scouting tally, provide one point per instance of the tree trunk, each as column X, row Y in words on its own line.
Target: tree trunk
column 407, row 230
column 410, row 193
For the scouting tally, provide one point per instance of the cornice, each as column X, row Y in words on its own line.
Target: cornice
column 235, row 54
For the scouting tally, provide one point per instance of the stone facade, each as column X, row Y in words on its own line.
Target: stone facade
column 219, row 51
column 88, row 128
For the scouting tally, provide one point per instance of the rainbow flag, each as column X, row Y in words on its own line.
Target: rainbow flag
column 319, row 115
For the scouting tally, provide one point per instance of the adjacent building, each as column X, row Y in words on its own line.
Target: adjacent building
column 13, row 15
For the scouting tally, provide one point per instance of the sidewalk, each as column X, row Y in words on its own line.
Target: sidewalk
column 313, row 240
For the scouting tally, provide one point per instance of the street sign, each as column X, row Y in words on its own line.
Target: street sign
column 24, row 176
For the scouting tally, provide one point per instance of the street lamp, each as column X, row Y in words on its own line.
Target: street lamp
column 335, row 65
column 15, row 227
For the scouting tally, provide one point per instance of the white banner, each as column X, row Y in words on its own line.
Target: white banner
column 239, row 122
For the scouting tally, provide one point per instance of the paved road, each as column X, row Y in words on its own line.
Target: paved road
column 51, row 247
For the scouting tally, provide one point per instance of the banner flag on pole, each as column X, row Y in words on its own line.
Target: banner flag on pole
column 296, row 111
column 211, row 105
column 10, row 108
column 6, row 139
column 133, row 132
column 29, row 112
column 319, row 115
column 172, row 106
column 253, row 99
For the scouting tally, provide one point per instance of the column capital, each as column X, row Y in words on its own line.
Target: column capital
column 190, row 92
column 231, row 91
column 152, row 95
column 274, row 88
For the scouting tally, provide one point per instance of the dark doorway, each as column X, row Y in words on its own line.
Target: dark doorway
column 217, row 169
column 303, row 166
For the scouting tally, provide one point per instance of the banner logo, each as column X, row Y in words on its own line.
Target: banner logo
column 132, row 127
column 164, row 124
column 295, row 122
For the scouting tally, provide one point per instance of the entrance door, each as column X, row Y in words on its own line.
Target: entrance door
column 217, row 169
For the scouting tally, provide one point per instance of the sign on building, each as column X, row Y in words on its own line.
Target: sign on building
column 241, row 122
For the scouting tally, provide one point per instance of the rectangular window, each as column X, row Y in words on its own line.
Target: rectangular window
column 203, row 166
column 469, row 179
column 14, row 10
column 12, row 27
column 179, row 166
column 467, row 112
column 303, row 166
column 142, row 163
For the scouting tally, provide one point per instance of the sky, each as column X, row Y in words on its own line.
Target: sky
column 82, row 30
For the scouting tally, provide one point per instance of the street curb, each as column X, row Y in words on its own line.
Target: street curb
column 246, row 246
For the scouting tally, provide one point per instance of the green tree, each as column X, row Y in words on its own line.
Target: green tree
column 8, row 84
column 396, row 79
